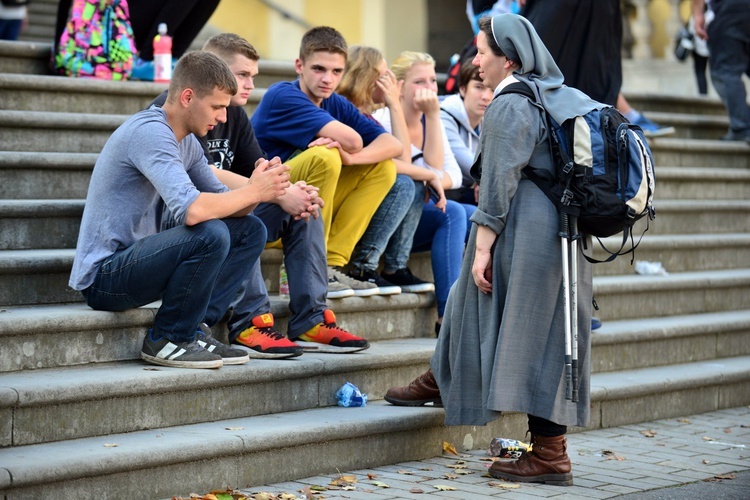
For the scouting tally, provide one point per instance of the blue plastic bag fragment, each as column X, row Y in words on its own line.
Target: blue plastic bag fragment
column 349, row 395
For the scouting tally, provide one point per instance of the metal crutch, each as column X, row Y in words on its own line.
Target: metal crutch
column 564, row 244
column 569, row 244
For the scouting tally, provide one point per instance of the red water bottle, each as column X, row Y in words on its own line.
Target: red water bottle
column 162, row 55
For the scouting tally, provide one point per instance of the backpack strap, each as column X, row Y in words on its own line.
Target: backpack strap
column 556, row 187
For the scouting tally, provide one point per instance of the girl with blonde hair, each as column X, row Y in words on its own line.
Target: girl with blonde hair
column 427, row 221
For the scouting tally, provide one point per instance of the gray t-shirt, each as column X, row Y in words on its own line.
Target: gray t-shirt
column 141, row 169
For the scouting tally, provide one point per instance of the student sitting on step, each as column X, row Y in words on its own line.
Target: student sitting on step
column 123, row 260
column 294, row 217
column 305, row 123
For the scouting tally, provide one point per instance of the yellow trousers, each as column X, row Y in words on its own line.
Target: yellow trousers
column 351, row 194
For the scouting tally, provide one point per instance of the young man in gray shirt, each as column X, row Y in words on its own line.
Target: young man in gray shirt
column 153, row 161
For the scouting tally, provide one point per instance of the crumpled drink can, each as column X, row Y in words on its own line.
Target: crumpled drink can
column 508, row 448
column 349, row 395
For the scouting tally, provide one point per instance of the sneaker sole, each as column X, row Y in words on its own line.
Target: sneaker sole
column 217, row 363
column 389, row 290
column 427, row 287
column 328, row 349
column 340, row 294
column 366, row 292
column 237, row 360
column 252, row 353
column 661, row 132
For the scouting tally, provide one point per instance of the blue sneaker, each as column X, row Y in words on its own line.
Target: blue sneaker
column 651, row 129
column 595, row 323
column 143, row 70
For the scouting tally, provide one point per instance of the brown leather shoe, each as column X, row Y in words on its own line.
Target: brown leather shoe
column 420, row 391
column 547, row 463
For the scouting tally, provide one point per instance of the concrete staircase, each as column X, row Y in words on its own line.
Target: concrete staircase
column 81, row 416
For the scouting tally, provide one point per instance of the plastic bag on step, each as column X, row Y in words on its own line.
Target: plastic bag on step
column 349, row 395
column 647, row 268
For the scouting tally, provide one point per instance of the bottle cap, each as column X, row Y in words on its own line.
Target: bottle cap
column 162, row 29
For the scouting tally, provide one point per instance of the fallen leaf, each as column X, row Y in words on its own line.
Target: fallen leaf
column 425, row 468
column 316, row 487
column 505, row 486
column 416, row 491
column 264, row 495
column 448, row 475
column 610, row 455
column 286, row 496
column 456, row 466
column 726, row 476
column 449, row 448
column 706, row 462
column 406, row 472
column 371, row 476
column 234, row 428
column 744, row 426
column 344, row 481
column 209, row 497
column 149, row 369
column 380, row 484
column 307, row 491
column 684, row 421
column 443, row 487
column 649, row 433
column 706, row 438
column 728, row 430
column 488, row 459
column 111, row 445
column 464, row 472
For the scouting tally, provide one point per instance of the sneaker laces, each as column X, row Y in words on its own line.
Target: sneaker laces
column 269, row 331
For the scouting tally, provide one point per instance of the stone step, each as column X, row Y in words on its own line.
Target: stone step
column 27, row 57
column 40, row 276
column 693, row 126
column 39, row 224
column 697, row 216
column 60, row 335
column 678, row 253
column 635, row 296
column 57, row 132
column 649, row 342
column 650, row 103
column 131, row 395
column 47, row 94
column 31, row 175
column 692, row 183
column 29, row 224
column 198, row 457
column 700, row 153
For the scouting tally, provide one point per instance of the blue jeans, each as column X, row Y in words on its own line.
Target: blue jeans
column 10, row 29
column 444, row 235
column 195, row 270
column 384, row 223
column 305, row 261
column 396, row 254
column 729, row 43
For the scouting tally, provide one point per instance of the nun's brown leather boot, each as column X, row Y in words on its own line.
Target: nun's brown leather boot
column 547, row 463
column 420, row 391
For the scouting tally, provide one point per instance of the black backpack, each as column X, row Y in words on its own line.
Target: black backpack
column 604, row 172
column 468, row 52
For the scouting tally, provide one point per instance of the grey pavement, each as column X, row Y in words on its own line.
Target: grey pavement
column 699, row 456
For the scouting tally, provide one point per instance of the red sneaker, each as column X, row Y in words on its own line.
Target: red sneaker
column 265, row 341
column 327, row 337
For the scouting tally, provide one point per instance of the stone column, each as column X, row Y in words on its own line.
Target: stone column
column 641, row 28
